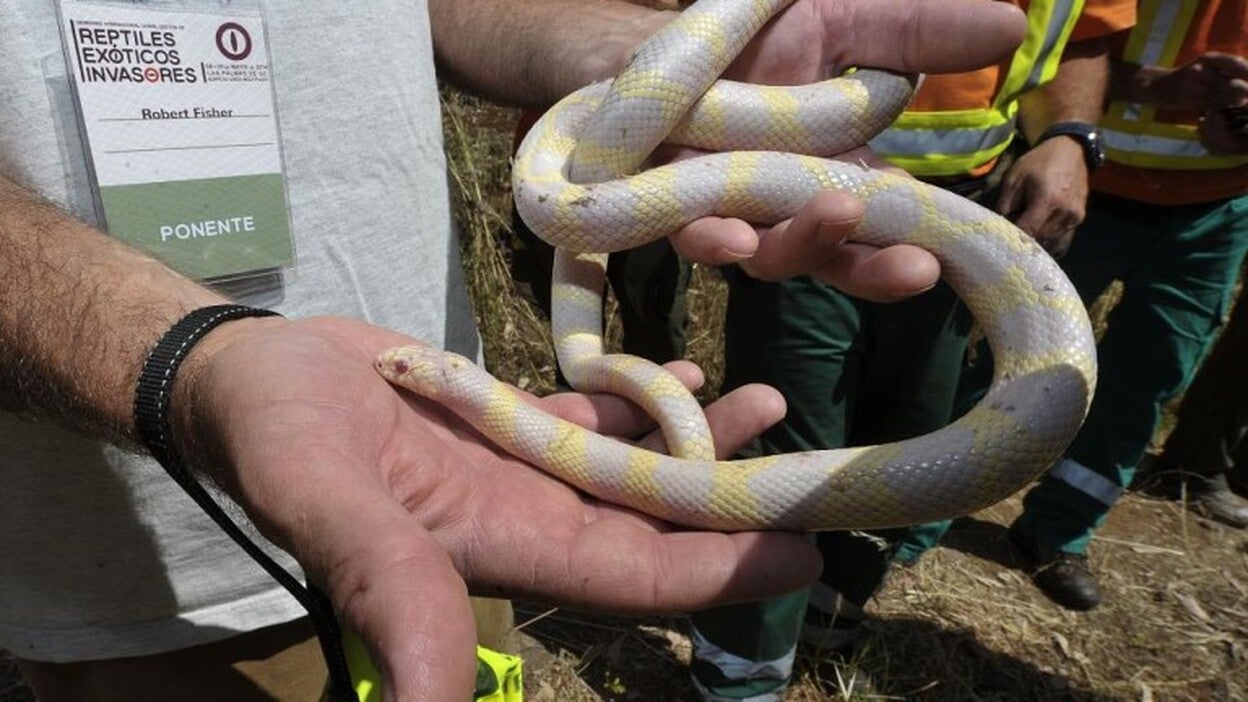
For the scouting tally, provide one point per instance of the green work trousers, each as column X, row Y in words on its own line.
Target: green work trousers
column 1178, row 267
column 852, row 373
column 1210, row 438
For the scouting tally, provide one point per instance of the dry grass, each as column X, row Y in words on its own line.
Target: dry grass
column 964, row 624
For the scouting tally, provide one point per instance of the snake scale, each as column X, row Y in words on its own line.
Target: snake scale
column 577, row 183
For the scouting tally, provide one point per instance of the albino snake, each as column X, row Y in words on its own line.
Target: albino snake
column 576, row 184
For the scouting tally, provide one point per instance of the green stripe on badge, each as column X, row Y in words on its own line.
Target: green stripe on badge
column 209, row 228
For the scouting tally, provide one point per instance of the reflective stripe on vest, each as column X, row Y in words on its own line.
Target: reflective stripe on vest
column 1087, row 481
column 1132, row 135
column 958, row 141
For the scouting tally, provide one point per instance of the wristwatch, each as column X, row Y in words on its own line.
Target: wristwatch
column 1088, row 137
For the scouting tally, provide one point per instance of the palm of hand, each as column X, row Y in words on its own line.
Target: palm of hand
column 392, row 505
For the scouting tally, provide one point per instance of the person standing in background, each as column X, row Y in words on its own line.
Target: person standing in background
column 1205, row 457
column 1168, row 217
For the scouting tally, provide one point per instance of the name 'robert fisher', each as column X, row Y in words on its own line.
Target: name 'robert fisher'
column 184, row 113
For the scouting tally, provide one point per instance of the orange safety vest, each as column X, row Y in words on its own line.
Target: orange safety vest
column 958, row 124
column 1155, row 155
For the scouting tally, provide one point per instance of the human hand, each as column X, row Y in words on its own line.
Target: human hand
column 1208, row 82
column 1045, row 193
column 813, row 40
column 398, row 510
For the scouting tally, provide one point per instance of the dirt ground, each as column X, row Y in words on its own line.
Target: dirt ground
column 966, row 623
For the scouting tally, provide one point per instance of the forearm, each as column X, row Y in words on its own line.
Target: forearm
column 1076, row 93
column 533, row 53
column 78, row 314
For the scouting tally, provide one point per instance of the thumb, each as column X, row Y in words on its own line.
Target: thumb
column 398, row 590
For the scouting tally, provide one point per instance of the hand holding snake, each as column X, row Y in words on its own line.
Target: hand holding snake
column 569, row 188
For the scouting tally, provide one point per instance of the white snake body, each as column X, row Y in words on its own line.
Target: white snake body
column 1035, row 322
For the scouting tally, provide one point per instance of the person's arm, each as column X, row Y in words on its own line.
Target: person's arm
column 1076, row 93
column 390, row 504
column 1210, row 84
column 535, row 52
column 78, row 313
column 1045, row 192
column 1209, row 81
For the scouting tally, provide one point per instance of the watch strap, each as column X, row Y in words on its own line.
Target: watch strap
column 1087, row 135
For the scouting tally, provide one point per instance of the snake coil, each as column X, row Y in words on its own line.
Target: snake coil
column 576, row 183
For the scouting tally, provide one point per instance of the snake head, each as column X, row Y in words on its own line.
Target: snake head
column 416, row 368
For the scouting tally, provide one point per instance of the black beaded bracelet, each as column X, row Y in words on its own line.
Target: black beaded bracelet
column 152, row 393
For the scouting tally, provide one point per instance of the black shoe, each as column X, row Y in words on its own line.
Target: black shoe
column 1064, row 577
column 1212, row 498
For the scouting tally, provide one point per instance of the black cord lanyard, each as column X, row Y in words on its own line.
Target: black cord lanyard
column 151, row 417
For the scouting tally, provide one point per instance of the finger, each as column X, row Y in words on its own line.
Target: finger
column 1055, row 232
column 808, row 240
column 735, row 419
column 1061, row 243
column 1229, row 65
column 399, row 592
column 612, row 415
column 1036, row 221
column 1233, row 93
column 930, row 36
column 624, row 566
column 715, row 241
column 1217, row 134
column 881, row 275
column 389, row 580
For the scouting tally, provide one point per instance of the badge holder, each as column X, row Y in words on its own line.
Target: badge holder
column 178, row 126
column 177, row 114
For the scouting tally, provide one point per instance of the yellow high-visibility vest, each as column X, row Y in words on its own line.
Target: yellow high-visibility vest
column 954, row 142
column 1132, row 134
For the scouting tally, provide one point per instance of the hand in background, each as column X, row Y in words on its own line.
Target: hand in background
column 1210, row 81
column 1045, row 192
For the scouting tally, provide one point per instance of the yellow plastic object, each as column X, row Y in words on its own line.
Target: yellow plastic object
column 500, row 676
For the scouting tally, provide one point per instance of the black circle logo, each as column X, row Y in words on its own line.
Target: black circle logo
column 233, row 41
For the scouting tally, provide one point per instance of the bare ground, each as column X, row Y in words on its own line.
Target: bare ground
column 966, row 624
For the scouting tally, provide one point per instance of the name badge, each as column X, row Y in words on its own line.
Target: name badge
column 177, row 107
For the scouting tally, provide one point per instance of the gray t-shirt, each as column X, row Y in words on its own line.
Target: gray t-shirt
column 104, row 556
